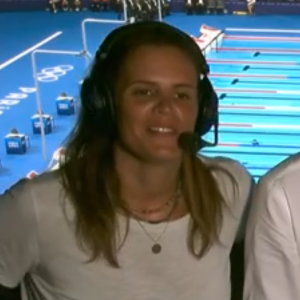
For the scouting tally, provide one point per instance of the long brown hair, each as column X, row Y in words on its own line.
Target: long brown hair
column 91, row 183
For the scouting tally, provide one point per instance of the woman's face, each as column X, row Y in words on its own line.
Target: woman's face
column 156, row 100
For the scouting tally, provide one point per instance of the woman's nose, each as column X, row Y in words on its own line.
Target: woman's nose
column 165, row 102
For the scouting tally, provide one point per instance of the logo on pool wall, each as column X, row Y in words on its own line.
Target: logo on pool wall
column 53, row 73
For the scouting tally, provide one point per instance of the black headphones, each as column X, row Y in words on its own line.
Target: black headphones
column 97, row 91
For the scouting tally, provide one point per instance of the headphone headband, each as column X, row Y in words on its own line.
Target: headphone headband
column 126, row 34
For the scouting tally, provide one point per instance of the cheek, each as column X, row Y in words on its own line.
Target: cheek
column 188, row 114
column 130, row 117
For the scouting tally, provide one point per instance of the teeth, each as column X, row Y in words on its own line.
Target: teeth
column 161, row 129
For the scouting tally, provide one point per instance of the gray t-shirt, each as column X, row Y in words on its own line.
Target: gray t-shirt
column 35, row 238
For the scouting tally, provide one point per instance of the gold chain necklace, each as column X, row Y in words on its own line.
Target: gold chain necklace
column 167, row 204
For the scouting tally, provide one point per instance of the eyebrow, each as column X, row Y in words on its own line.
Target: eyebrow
column 149, row 82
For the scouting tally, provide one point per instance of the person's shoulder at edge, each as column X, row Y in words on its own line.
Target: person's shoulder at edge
column 271, row 234
column 283, row 170
column 283, row 176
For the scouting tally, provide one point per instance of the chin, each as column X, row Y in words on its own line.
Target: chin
column 164, row 156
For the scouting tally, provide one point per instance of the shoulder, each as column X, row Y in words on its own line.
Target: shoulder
column 231, row 176
column 276, row 202
column 17, row 196
column 281, row 183
column 48, row 183
column 282, row 174
column 233, row 167
column 19, row 185
column 23, row 195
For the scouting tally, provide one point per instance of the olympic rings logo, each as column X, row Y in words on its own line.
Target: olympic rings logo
column 53, row 73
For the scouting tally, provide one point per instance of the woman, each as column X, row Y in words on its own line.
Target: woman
column 133, row 213
column 273, row 236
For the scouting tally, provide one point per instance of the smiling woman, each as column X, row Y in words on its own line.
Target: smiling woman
column 156, row 102
column 148, row 216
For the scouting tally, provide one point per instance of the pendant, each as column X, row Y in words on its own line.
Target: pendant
column 156, row 248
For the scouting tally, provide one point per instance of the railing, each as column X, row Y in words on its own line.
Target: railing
column 213, row 44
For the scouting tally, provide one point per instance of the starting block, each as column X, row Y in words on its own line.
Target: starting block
column 16, row 143
column 65, row 106
column 47, row 123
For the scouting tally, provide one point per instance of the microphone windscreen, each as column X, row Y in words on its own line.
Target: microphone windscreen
column 190, row 142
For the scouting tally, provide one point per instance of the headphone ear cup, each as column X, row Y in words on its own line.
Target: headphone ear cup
column 208, row 115
column 97, row 102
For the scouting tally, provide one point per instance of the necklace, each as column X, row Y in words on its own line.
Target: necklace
column 167, row 204
column 157, row 247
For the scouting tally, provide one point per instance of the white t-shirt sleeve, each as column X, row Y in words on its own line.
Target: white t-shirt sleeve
column 18, row 234
column 271, row 258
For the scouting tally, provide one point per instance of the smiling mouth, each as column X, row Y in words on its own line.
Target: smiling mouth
column 165, row 130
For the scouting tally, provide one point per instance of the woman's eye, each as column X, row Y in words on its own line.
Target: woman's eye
column 143, row 92
column 182, row 96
